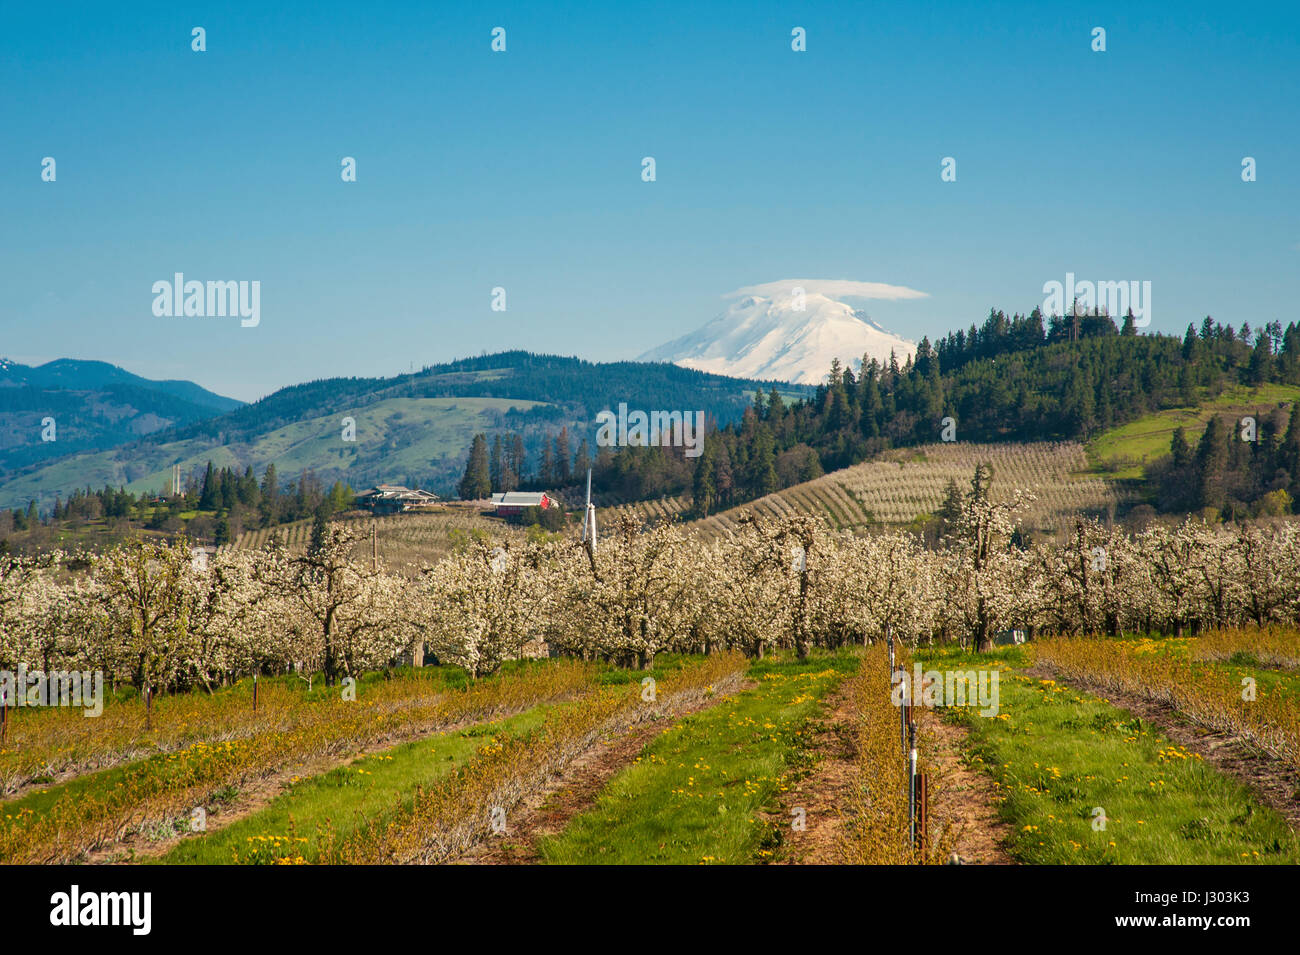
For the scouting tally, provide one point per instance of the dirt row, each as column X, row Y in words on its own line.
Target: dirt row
column 964, row 802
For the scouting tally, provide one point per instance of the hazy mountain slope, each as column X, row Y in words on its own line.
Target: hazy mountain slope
column 410, row 427
column 78, row 375
column 67, row 406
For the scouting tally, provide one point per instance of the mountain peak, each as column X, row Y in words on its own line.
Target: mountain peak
column 775, row 332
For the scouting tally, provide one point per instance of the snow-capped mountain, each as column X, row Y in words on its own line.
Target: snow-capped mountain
column 767, row 337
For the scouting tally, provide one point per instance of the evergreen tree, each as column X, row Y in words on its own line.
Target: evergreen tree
column 477, row 482
column 582, row 461
column 1179, row 449
column 248, row 492
column 269, row 506
column 950, row 511
column 546, row 472
column 704, row 490
column 1261, row 361
column 1212, row 456
column 563, row 474
column 760, row 477
column 208, row 499
column 497, row 466
column 518, row 460
column 1289, row 451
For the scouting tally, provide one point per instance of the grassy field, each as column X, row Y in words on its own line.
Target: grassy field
column 406, row 774
column 289, row 827
column 158, row 776
column 698, row 793
column 1122, row 452
column 1058, row 756
column 44, row 742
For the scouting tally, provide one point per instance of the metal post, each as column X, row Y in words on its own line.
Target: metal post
column 254, row 692
column 902, row 709
column 922, row 813
column 905, row 717
column 911, row 781
column 4, row 717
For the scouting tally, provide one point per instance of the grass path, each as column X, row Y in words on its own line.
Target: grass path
column 546, row 811
column 1062, row 759
column 286, row 828
column 708, row 790
column 824, row 792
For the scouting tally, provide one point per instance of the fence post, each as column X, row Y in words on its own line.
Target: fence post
column 909, row 702
column 922, row 814
column 4, row 717
column 255, row 691
column 903, row 710
column 911, row 780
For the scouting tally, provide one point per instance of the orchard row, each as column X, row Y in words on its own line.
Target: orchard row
column 146, row 614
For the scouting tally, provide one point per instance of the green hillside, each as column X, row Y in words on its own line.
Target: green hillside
column 1122, row 451
column 398, row 436
column 412, row 428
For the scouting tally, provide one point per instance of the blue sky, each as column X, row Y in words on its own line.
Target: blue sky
column 523, row 170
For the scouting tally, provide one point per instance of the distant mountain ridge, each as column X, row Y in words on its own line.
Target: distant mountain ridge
column 66, row 406
column 411, row 429
column 75, row 374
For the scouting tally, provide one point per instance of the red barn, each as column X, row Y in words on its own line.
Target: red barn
column 512, row 503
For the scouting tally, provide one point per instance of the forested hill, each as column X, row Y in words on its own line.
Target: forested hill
column 410, row 429
column 68, row 406
column 569, row 384
column 1015, row 378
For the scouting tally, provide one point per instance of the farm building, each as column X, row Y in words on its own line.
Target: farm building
column 512, row 503
column 199, row 555
column 392, row 498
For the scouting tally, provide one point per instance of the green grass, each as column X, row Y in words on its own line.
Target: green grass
column 1122, row 451
column 696, row 794
column 1057, row 754
column 369, row 786
column 441, row 679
